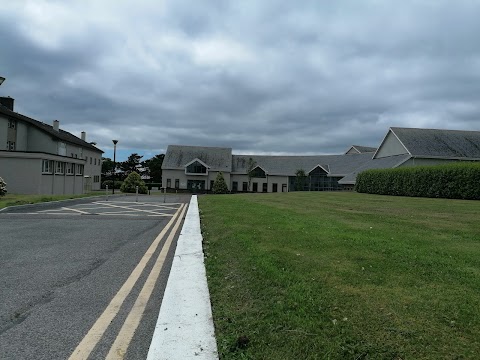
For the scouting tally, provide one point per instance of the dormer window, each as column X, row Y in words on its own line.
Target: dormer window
column 196, row 167
column 258, row 172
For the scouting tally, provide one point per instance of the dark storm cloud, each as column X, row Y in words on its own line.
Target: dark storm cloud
column 261, row 77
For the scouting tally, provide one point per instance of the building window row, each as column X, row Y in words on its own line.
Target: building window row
column 93, row 160
column 96, row 178
column 60, row 167
column 12, row 124
column 11, row 146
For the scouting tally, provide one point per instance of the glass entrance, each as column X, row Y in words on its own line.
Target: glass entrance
column 196, row 185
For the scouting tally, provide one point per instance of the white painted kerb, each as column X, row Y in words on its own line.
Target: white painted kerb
column 184, row 327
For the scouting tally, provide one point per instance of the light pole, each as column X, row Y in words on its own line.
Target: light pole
column 114, row 163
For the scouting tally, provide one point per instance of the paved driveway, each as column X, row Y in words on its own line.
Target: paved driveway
column 85, row 277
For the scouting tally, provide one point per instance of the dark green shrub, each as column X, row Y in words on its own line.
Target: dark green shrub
column 3, row 187
column 219, row 185
column 460, row 180
column 131, row 182
column 118, row 184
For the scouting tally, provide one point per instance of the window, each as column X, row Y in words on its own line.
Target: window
column 211, row 184
column 169, row 183
column 12, row 124
column 284, row 187
column 10, row 145
column 99, row 163
column 70, row 169
column 258, row 173
column 96, row 178
column 196, row 168
column 177, row 184
column 244, row 186
column 62, row 149
column 90, row 160
column 255, row 187
column 274, row 187
column 234, row 186
column 95, row 161
column 47, row 166
column 79, row 169
column 60, row 168
column 264, row 187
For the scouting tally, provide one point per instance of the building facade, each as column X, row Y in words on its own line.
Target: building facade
column 37, row 158
column 195, row 168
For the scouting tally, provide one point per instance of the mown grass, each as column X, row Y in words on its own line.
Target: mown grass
column 343, row 276
column 13, row 199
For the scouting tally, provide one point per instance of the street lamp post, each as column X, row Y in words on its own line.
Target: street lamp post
column 114, row 163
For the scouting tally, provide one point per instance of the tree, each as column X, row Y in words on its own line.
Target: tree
column 131, row 164
column 154, row 166
column 131, row 182
column 219, row 185
column 250, row 166
column 3, row 187
column 300, row 178
column 107, row 168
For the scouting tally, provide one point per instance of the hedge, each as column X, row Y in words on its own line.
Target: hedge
column 118, row 184
column 459, row 180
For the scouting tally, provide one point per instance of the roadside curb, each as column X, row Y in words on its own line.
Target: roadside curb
column 184, row 328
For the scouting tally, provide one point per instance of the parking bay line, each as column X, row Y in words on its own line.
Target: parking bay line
column 88, row 343
column 124, row 337
column 131, row 208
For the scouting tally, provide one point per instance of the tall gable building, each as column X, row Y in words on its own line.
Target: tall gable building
column 195, row 168
column 37, row 158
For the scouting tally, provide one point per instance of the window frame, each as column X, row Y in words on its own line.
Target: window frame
column 47, row 166
column 62, row 167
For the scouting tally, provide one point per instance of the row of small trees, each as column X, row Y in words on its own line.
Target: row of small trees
column 150, row 168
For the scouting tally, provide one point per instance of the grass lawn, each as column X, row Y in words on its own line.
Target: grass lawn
column 336, row 275
column 13, row 199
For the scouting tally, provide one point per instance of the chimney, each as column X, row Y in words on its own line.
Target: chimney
column 84, row 135
column 56, row 125
column 7, row 102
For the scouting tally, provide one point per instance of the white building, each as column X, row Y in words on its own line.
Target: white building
column 37, row 158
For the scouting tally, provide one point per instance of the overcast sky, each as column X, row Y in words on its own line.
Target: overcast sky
column 262, row 77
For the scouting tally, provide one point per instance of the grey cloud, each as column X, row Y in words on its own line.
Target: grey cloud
column 320, row 78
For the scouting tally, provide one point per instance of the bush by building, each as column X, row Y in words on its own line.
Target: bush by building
column 219, row 185
column 131, row 182
column 3, row 187
column 460, row 180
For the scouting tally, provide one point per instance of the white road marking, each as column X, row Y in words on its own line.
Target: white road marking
column 131, row 208
column 75, row 210
column 124, row 337
column 96, row 332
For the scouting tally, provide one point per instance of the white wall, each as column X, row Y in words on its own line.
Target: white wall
column 390, row 147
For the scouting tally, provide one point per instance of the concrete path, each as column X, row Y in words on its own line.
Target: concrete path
column 184, row 328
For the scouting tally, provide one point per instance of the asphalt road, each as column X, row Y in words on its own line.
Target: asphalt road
column 62, row 264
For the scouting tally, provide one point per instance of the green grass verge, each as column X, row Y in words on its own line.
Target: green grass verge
column 13, row 199
column 343, row 276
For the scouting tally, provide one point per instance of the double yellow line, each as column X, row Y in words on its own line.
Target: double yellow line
column 121, row 343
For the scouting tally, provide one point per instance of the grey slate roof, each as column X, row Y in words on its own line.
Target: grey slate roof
column 338, row 165
column 362, row 149
column 440, row 143
column 381, row 163
column 217, row 158
column 60, row 135
column 365, row 149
